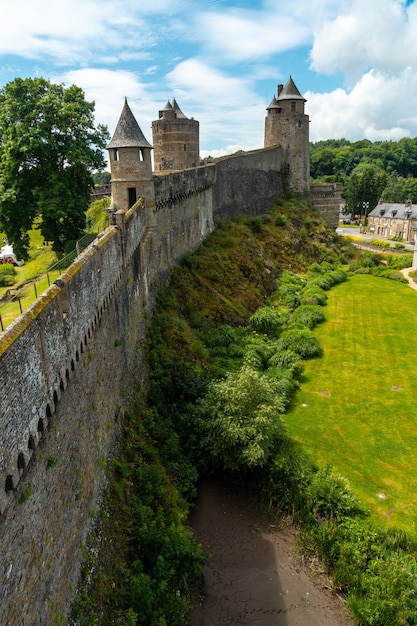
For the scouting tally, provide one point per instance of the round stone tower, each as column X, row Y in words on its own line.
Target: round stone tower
column 130, row 164
column 287, row 124
column 176, row 140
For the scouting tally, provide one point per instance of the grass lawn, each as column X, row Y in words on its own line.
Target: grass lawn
column 357, row 405
column 41, row 258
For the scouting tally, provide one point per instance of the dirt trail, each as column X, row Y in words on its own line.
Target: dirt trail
column 411, row 282
column 253, row 577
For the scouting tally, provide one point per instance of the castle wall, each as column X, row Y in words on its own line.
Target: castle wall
column 69, row 363
column 66, row 368
column 327, row 199
column 247, row 184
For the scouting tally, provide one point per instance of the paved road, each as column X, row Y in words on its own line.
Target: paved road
column 354, row 232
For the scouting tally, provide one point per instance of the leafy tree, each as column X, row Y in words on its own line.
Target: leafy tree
column 49, row 148
column 239, row 419
column 102, row 178
column 364, row 188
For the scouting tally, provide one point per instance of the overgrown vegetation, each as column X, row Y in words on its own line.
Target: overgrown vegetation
column 227, row 348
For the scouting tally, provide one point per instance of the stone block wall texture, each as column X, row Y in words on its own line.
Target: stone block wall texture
column 68, row 366
column 180, row 139
column 327, row 199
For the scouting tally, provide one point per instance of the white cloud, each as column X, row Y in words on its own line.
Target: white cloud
column 377, row 108
column 226, row 106
column 70, row 30
column 366, row 35
column 108, row 89
column 242, row 35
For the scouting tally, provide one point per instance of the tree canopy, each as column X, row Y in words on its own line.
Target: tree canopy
column 49, row 147
column 368, row 170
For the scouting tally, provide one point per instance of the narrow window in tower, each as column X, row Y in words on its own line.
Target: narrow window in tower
column 185, row 147
column 141, row 154
column 293, row 106
column 115, row 154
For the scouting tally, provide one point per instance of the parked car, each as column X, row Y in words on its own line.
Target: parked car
column 8, row 256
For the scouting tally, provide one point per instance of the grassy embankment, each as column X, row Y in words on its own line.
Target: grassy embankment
column 356, row 406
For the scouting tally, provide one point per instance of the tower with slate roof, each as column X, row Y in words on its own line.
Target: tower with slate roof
column 287, row 124
column 130, row 163
column 176, row 140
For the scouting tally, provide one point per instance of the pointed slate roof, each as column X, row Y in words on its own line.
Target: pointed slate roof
column 402, row 210
column 168, row 106
column 290, row 92
column 274, row 104
column 177, row 109
column 128, row 133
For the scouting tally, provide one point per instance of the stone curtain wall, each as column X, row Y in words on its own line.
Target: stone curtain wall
column 247, row 184
column 327, row 199
column 67, row 368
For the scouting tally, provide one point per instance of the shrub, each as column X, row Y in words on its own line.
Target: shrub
column 289, row 290
column 286, row 479
column 239, row 420
column 189, row 260
column 328, row 280
column 307, row 316
column 301, row 341
column 399, row 261
column 255, row 224
column 314, row 295
column 7, row 275
column 267, row 321
column 257, row 351
column 380, row 243
column 329, row 496
column 280, row 220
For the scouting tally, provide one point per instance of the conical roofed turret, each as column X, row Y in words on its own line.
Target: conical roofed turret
column 178, row 110
column 130, row 164
column 128, row 133
column 274, row 104
column 290, row 92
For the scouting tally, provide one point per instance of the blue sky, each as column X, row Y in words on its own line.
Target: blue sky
column 355, row 61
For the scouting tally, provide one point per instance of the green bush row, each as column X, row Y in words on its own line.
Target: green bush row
column 7, row 275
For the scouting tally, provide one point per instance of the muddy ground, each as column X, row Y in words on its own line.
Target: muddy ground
column 254, row 576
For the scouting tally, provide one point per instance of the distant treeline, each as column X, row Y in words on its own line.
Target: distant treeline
column 369, row 170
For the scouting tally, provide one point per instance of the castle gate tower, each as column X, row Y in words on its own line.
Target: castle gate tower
column 130, row 164
column 287, row 124
column 176, row 140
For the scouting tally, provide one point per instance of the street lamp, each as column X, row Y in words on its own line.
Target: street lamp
column 365, row 206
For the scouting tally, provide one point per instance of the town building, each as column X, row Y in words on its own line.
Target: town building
column 392, row 220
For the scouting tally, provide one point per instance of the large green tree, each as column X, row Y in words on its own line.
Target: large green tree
column 364, row 188
column 49, row 147
column 240, row 419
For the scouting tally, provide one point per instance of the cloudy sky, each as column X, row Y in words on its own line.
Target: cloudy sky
column 355, row 61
